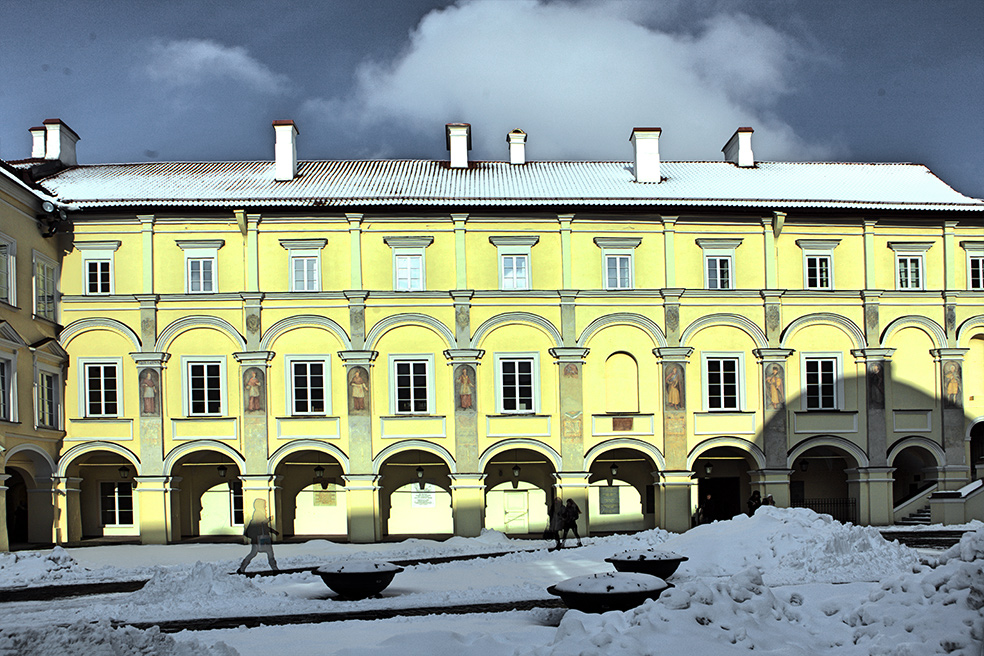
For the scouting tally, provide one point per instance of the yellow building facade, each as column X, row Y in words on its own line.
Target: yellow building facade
column 389, row 349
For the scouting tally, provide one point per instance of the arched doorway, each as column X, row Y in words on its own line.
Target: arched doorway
column 210, row 494
column 30, row 504
column 106, row 505
column 820, row 482
column 622, row 496
column 312, row 495
column 723, row 482
column 519, row 484
column 415, row 498
column 977, row 450
column 915, row 471
column 17, row 510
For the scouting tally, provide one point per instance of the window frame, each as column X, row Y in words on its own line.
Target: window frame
column 186, row 363
column 975, row 252
column 740, row 391
column 719, row 249
column 42, row 262
column 325, row 362
column 618, row 247
column 838, row 372
column 409, row 247
column 8, row 270
column 298, row 249
column 97, row 252
column 8, row 388
column 55, row 373
column 516, row 356
column 818, row 248
column 83, row 365
column 200, row 250
column 515, row 246
column 912, row 251
column 427, row 359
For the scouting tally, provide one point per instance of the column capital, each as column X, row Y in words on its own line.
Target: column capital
column 254, row 358
column 155, row 359
column 147, row 301
column 572, row 478
column 566, row 354
column 567, row 296
column 565, row 218
column 355, row 482
column 772, row 354
column 253, row 298
column 462, row 295
column 671, row 477
column 672, row 294
column 873, row 354
column 354, row 219
column 463, row 356
column 948, row 353
column 669, row 222
column 357, row 358
column 771, row 295
column 674, row 353
column 259, row 481
column 871, row 296
column 355, row 295
column 467, row 481
column 459, row 218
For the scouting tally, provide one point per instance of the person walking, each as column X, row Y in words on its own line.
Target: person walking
column 570, row 514
column 258, row 531
column 555, row 514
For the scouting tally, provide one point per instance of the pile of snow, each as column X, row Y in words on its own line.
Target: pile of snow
column 649, row 554
column 969, row 549
column 20, row 569
column 201, row 587
column 358, row 567
column 791, row 545
column 613, row 582
column 101, row 639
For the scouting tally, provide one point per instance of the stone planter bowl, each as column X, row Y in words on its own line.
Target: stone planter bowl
column 600, row 593
column 358, row 579
column 653, row 562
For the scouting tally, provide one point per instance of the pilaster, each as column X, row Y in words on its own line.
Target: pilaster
column 566, row 259
column 462, row 318
column 674, row 362
column 671, row 310
column 154, row 504
column 252, row 302
column 460, row 252
column 874, row 491
column 4, row 527
column 357, row 317
column 669, row 252
column 358, row 379
column 571, row 362
column 267, row 488
column 150, row 399
column 252, row 253
column 872, row 320
column 253, row 367
column 775, row 434
column 147, row 242
column 68, row 511
column 675, row 499
column 869, row 259
column 148, row 318
column 464, row 376
column 355, row 243
column 364, row 519
column 468, row 504
column 950, row 363
column 769, row 256
column 877, row 370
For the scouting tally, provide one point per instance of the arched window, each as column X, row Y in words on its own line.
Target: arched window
column 622, row 383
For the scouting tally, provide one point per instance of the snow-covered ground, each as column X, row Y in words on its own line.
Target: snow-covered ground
column 786, row 581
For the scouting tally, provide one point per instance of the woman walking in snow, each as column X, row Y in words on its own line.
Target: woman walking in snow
column 258, row 531
column 570, row 514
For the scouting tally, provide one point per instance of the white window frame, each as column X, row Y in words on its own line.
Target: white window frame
column 8, row 269
column 97, row 252
column 409, row 247
column 186, row 362
column 55, row 373
column 617, row 247
column 8, row 388
column 43, row 263
column 304, row 249
column 198, row 250
column 428, row 360
column 739, row 356
column 117, row 486
column 838, row 360
column 818, row 248
column 975, row 252
column 515, row 247
column 499, row 358
column 914, row 252
column 325, row 362
column 83, row 365
column 720, row 249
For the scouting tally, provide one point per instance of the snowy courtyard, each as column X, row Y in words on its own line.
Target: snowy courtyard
column 786, row 581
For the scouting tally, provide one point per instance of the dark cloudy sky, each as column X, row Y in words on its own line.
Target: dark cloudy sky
column 856, row 80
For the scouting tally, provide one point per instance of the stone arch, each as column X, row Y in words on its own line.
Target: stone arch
column 182, row 450
column 520, row 443
column 852, row 449
column 82, row 449
column 646, row 324
column 970, row 427
column 725, row 319
column 966, row 329
column 197, row 321
column 737, row 442
column 383, row 326
column 306, row 445
column 824, row 318
column 36, row 455
column 923, row 442
column 410, row 445
column 76, row 328
column 930, row 327
column 285, row 325
column 624, row 443
column 517, row 317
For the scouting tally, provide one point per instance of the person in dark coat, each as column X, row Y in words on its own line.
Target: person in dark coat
column 555, row 513
column 768, row 500
column 570, row 515
column 754, row 502
column 258, row 531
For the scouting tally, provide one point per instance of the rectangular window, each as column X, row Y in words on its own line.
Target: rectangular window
column 821, row 383
column 97, row 276
column 976, row 272
column 818, row 272
column 304, row 274
column 5, row 277
column 116, row 503
column 48, row 400
column 204, row 388
column 409, row 272
column 515, row 272
column 308, row 387
column 201, row 275
column 236, row 502
column 101, row 390
column 909, row 269
column 618, row 272
column 516, row 384
column 45, row 276
column 718, row 272
column 411, row 386
column 723, row 384
column 5, row 400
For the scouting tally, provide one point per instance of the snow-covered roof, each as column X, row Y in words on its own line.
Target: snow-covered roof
column 497, row 184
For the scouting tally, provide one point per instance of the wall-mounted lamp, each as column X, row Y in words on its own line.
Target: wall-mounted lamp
column 420, row 477
column 708, row 469
column 319, row 472
column 614, row 470
column 223, row 470
column 515, row 471
column 124, row 471
column 804, row 465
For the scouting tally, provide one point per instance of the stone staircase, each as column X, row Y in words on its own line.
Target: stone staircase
column 920, row 517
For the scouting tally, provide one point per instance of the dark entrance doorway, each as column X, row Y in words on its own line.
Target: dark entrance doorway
column 16, row 507
column 725, row 497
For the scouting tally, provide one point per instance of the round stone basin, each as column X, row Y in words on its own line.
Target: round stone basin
column 600, row 593
column 358, row 579
column 649, row 561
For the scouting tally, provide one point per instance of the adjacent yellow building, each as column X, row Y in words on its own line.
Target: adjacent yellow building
column 397, row 348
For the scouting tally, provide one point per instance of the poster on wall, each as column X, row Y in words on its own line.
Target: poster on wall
column 608, row 500
column 422, row 498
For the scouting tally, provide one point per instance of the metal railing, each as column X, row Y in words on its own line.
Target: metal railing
column 843, row 509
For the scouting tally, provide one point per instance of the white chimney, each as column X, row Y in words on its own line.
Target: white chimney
column 285, row 150
column 38, row 142
column 459, row 143
column 646, row 144
column 738, row 150
column 517, row 146
column 60, row 142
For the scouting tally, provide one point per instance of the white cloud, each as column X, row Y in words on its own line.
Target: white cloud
column 192, row 62
column 577, row 76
